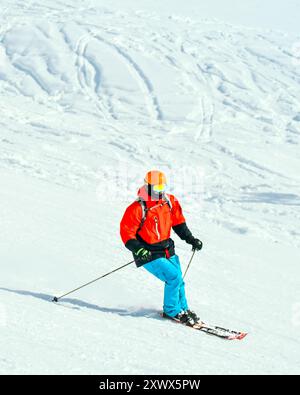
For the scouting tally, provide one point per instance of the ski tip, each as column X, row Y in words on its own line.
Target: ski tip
column 240, row 336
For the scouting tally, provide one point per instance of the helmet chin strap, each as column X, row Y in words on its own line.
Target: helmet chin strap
column 154, row 195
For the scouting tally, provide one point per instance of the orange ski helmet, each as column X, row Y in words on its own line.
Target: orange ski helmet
column 156, row 181
column 155, row 177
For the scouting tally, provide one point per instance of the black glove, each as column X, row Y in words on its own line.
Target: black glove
column 143, row 255
column 196, row 243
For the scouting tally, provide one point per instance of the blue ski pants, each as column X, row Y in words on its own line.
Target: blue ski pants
column 169, row 271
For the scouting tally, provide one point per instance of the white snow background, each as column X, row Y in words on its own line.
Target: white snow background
column 92, row 95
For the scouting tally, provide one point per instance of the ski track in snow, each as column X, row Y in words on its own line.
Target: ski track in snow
column 155, row 110
column 86, row 101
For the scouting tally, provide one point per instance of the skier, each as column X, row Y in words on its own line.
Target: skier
column 145, row 230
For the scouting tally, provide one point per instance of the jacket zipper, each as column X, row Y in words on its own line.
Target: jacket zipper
column 156, row 227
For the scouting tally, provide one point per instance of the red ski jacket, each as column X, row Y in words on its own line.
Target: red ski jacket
column 152, row 229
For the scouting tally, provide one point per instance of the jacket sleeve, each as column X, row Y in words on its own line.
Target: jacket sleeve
column 178, row 222
column 129, row 226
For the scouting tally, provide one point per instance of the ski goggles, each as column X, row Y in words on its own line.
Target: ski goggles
column 159, row 188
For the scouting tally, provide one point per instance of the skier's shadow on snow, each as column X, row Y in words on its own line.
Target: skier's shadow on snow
column 77, row 304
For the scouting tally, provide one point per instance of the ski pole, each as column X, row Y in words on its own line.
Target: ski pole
column 189, row 263
column 56, row 299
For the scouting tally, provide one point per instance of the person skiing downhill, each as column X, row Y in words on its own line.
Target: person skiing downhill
column 145, row 230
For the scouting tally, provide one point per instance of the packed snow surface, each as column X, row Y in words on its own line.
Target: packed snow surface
column 92, row 95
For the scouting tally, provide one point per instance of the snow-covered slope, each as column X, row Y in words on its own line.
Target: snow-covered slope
column 92, row 96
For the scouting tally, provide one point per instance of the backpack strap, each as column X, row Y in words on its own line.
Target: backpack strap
column 144, row 212
column 145, row 209
column 168, row 200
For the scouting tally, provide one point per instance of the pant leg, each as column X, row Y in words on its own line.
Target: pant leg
column 169, row 271
column 182, row 295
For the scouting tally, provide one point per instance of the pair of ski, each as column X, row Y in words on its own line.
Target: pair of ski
column 213, row 330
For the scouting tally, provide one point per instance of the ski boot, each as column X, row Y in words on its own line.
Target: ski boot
column 193, row 317
column 181, row 317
